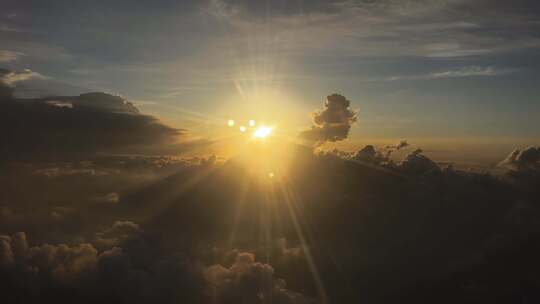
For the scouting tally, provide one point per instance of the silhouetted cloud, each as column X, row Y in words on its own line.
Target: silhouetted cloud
column 333, row 123
column 418, row 164
column 370, row 155
column 402, row 144
column 69, row 125
column 528, row 158
column 82, row 272
column 249, row 281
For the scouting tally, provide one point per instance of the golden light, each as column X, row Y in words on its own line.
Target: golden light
column 251, row 123
column 230, row 123
column 271, row 174
column 243, row 129
column 262, row 132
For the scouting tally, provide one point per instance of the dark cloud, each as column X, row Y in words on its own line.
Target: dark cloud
column 528, row 158
column 402, row 144
column 333, row 123
column 417, row 163
column 370, row 155
column 249, row 281
column 9, row 78
column 198, row 233
column 73, row 125
column 65, row 273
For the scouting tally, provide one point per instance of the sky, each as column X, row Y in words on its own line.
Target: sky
column 445, row 74
column 269, row 152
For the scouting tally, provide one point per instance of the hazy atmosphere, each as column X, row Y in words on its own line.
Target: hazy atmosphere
column 237, row 151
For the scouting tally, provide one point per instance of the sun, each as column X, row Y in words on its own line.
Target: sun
column 262, row 132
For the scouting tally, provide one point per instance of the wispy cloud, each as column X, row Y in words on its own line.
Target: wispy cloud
column 11, row 78
column 9, row 56
column 469, row 71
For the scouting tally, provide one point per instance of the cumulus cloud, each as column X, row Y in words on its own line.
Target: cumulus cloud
column 118, row 233
column 402, row 144
column 250, row 282
column 93, row 122
column 370, row 155
column 163, row 245
column 63, row 273
column 528, row 158
column 333, row 123
column 417, row 163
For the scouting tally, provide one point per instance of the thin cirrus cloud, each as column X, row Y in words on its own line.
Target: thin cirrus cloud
column 440, row 29
column 470, row 71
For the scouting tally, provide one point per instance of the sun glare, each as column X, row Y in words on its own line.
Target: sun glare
column 262, row 132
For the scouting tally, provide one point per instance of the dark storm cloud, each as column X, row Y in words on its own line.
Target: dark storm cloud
column 70, row 125
column 333, row 123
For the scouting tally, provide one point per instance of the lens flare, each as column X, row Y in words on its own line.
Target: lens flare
column 243, row 129
column 251, row 123
column 230, row 123
column 262, row 132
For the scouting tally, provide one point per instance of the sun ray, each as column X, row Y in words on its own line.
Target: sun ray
column 291, row 201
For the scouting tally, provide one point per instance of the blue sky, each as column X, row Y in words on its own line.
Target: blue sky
column 426, row 70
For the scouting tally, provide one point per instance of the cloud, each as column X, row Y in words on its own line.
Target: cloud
column 249, row 281
column 80, row 271
column 88, row 123
column 440, row 29
column 333, row 123
column 416, row 163
column 9, row 56
column 160, row 244
column 402, row 144
column 528, row 158
column 117, row 234
column 370, row 155
column 9, row 78
column 111, row 198
column 470, row 71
